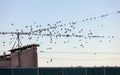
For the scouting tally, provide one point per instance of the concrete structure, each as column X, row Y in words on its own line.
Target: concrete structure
column 25, row 56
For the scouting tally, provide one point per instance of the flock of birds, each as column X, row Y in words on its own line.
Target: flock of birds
column 56, row 31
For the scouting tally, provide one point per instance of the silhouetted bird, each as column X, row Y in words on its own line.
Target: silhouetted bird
column 106, row 14
column 3, row 41
column 26, row 26
column 12, row 24
column 83, row 20
column 109, row 40
column 94, row 17
column 90, row 18
column 50, row 60
column 17, row 29
column 34, row 22
column 37, row 26
column 100, row 40
column 101, row 25
column 81, row 29
column 74, row 47
column 95, row 53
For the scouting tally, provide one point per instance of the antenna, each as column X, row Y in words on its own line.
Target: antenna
column 18, row 36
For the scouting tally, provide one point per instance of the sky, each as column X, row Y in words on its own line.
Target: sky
column 72, row 51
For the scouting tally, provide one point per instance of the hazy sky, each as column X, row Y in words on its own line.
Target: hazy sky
column 96, row 51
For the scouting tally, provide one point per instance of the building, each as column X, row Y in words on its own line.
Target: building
column 25, row 56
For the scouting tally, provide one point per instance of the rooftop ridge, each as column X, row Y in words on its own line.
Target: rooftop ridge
column 24, row 47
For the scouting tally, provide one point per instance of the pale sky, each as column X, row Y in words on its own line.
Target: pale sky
column 72, row 51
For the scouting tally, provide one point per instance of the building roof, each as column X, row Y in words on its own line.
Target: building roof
column 24, row 47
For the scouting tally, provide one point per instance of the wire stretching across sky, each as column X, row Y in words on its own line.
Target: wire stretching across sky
column 79, row 52
column 74, row 59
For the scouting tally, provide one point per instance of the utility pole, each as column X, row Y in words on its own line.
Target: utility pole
column 18, row 36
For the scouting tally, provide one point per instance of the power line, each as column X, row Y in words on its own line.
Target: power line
column 97, row 59
column 79, row 52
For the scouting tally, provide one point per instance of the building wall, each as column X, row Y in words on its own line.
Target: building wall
column 5, row 63
column 22, row 57
column 28, row 58
column 14, row 59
